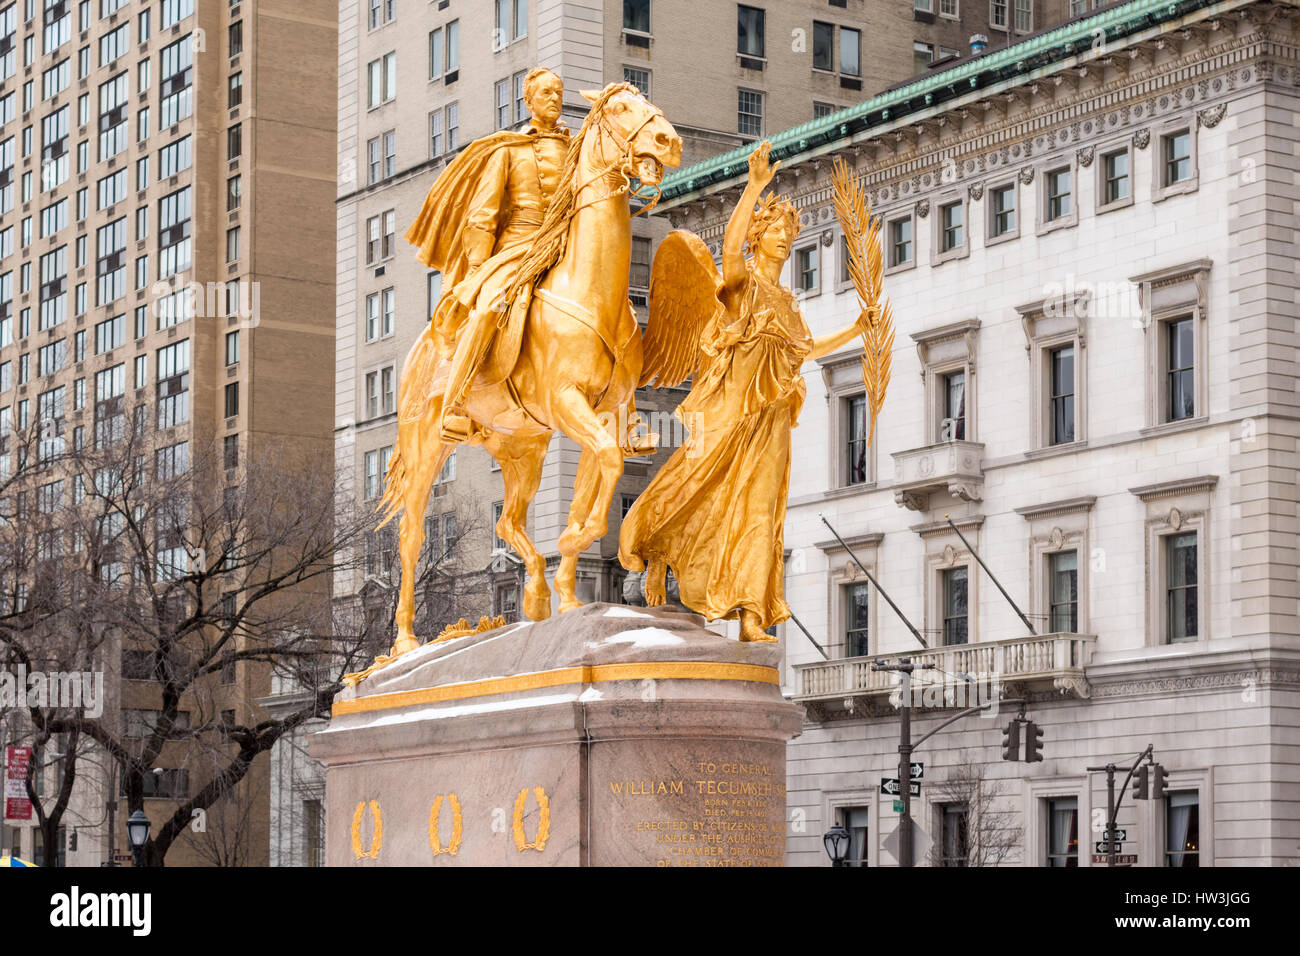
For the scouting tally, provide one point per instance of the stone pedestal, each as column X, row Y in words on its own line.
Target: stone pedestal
column 607, row 736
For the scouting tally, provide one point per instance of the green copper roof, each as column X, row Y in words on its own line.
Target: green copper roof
column 1033, row 53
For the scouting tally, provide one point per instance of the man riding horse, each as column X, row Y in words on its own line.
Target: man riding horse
column 475, row 227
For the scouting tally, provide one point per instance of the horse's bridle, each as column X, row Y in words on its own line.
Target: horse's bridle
column 625, row 167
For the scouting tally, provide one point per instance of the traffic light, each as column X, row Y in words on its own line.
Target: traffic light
column 1011, row 741
column 1158, row 779
column 1033, row 742
column 1140, row 783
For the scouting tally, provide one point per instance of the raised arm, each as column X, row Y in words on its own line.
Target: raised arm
column 826, row 344
column 733, row 243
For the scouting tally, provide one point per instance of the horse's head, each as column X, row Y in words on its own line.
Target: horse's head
column 641, row 137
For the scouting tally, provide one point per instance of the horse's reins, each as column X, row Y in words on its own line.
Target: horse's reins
column 625, row 168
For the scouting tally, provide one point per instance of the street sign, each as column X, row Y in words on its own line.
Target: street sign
column 918, row 770
column 1115, row 836
column 1127, row 859
column 898, row 806
column 17, row 804
column 889, row 786
column 1104, row 848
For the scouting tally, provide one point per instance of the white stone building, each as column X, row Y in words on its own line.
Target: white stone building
column 1090, row 250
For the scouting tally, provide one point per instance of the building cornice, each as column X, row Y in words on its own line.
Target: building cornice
column 1052, row 509
column 1178, row 486
column 854, row 542
column 934, row 529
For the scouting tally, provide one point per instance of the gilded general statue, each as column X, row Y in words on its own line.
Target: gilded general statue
column 534, row 332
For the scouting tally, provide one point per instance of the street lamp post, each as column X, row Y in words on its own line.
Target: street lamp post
column 137, row 830
column 836, row 842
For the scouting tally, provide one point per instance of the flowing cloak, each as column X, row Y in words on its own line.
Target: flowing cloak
column 439, row 233
column 715, row 512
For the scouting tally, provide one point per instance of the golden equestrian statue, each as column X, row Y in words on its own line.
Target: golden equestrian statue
column 542, row 324
column 715, row 512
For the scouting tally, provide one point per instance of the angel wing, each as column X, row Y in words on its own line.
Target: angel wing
column 684, row 287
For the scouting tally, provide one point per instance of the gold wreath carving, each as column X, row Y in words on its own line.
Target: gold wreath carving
column 377, row 839
column 457, row 825
column 543, row 825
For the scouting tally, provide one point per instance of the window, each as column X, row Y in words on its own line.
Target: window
column 954, row 838
column 9, row 46
column 453, row 126
column 236, row 37
column 955, row 612
column 950, row 220
column 1024, row 15
column 381, row 12
column 900, row 242
column 1176, row 150
column 174, row 11
column 1058, row 194
column 948, row 8
column 922, row 55
column 1002, row 210
column 1180, row 588
column 502, row 104
column 110, row 415
column 498, row 542
column 173, row 367
column 235, row 141
column 639, row 270
column 858, row 423
column 998, row 14
column 232, row 348
column 822, row 110
column 234, row 90
column 1183, row 829
column 807, row 269
column 381, row 83
column 174, row 233
column 114, row 44
column 110, row 334
column 175, row 157
column 436, row 54
column 232, row 244
column 453, row 48
column 376, row 469
column 856, row 620
column 234, row 193
column 749, row 31
column 54, row 288
column 54, row 217
column 749, row 121
column 232, row 399
column 54, row 149
column 1181, row 369
column 144, row 25
column 636, row 16
column 638, row 78
column 449, row 533
column 230, row 451
column 1063, row 576
column 110, row 262
column 856, row 820
column 313, row 828
column 850, row 48
column 177, row 71
column 111, row 190
column 1115, row 173
column 1063, row 831
column 435, row 134
column 58, row 25
column 56, row 79
column 390, row 154
column 953, row 396
column 1061, row 396
column 144, row 79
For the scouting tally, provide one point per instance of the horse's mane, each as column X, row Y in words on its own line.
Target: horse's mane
column 548, row 244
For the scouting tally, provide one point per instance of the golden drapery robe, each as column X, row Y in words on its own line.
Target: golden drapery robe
column 715, row 512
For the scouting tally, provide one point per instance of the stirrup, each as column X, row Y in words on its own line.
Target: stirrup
column 455, row 428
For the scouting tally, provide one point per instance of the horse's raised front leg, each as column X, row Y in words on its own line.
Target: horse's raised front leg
column 599, row 469
column 521, row 462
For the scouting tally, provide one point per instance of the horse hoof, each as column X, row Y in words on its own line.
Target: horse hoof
column 569, row 606
column 537, row 605
column 404, row 643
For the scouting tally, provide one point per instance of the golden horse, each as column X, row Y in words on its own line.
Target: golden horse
column 579, row 360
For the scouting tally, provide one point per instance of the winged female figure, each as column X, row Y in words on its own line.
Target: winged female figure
column 715, row 512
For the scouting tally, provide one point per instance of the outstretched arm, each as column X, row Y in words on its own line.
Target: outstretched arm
column 826, row 344
column 733, row 243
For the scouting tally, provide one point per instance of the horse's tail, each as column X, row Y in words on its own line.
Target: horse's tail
column 414, row 395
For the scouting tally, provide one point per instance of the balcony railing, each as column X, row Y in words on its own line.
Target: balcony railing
column 1057, row 658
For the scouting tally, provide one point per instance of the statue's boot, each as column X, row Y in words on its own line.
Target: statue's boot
column 456, row 425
